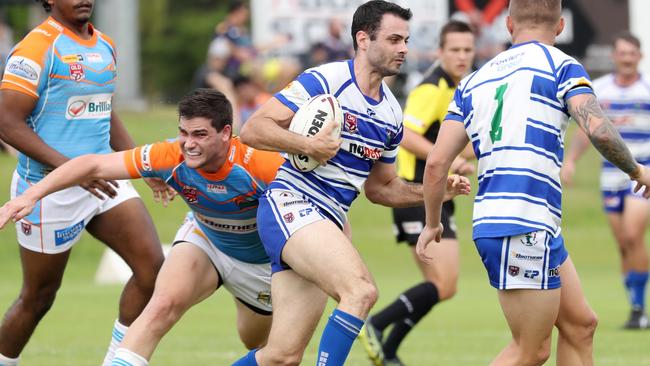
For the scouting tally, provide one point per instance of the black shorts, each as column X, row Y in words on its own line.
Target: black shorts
column 409, row 222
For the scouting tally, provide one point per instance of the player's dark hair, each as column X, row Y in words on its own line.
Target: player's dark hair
column 368, row 17
column 207, row 103
column 45, row 4
column 235, row 5
column 627, row 37
column 453, row 26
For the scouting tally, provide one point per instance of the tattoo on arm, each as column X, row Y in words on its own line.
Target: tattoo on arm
column 604, row 136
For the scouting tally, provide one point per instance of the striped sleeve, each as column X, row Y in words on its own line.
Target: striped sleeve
column 155, row 160
column 572, row 79
column 455, row 110
column 306, row 85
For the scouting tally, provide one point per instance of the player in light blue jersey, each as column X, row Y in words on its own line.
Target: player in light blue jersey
column 625, row 97
column 515, row 111
column 301, row 214
column 217, row 246
column 56, row 104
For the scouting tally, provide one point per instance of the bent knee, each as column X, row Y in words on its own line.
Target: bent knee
column 164, row 310
column 535, row 358
column 366, row 294
column 582, row 330
column 446, row 289
column 38, row 301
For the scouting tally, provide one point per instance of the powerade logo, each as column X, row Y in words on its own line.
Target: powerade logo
column 65, row 235
column 94, row 106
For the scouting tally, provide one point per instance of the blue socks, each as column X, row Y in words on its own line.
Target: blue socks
column 337, row 338
column 248, row 360
column 636, row 282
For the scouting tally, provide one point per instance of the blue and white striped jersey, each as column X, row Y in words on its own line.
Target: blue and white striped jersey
column 372, row 132
column 515, row 113
column 629, row 109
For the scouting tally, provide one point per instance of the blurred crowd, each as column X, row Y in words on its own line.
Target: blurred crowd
column 248, row 74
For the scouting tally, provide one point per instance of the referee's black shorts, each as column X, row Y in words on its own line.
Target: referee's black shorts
column 409, row 222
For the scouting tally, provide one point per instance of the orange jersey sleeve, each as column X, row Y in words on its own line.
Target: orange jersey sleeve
column 155, row 160
column 28, row 61
column 262, row 165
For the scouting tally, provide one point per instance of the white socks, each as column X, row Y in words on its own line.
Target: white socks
column 6, row 361
column 124, row 357
column 118, row 333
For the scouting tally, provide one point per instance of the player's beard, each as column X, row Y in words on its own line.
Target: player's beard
column 382, row 64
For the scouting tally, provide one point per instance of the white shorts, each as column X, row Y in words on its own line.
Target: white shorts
column 58, row 219
column 250, row 283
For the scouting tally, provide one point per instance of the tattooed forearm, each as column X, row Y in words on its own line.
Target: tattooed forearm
column 602, row 134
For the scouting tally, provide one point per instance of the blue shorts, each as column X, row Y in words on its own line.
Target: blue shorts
column 614, row 201
column 279, row 215
column 526, row 261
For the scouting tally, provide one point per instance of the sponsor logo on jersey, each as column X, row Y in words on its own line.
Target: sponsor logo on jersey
column 289, row 217
column 286, row 194
column 68, row 59
column 554, row 272
column 144, row 157
column 513, row 271
column 217, row 188
column 248, row 155
column 370, row 112
column 264, row 297
column 244, row 202
column 94, row 57
column 55, row 25
column 26, row 228
column 226, row 225
column 65, row 235
column 190, row 193
column 43, row 32
column 531, row 273
column 93, row 106
column 363, row 151
column 294, row 202
column 77, row 71
column 529, row 239
column 24, row 68
column 527, row 257
column 351, row 123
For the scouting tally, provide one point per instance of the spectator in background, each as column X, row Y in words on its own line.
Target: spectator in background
column 250, row 96
column 334, row 45
column 232, row 33
column 486, row 17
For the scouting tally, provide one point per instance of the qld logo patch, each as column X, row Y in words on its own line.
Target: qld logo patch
column 513, row 271
column 190, row 193
column 351, row 123
column 77, row 72
column 27, row 228
column 288, row 218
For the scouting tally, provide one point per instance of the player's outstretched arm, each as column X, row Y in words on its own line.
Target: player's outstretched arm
column 385, row 188
column 584, row 108
column 452, row 138
column 73, row 172
column 267, row 129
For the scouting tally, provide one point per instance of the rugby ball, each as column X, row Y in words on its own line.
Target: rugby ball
column 310, row 118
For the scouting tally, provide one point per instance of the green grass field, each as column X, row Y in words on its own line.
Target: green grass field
column 468, row 330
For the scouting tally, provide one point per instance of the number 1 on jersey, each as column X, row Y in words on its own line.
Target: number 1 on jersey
column 496, row 131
